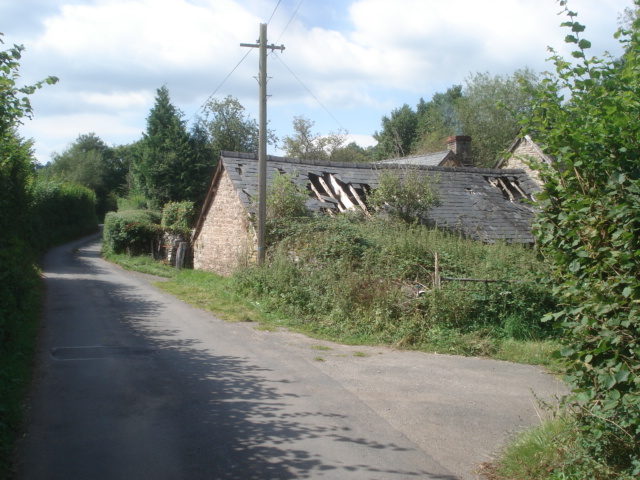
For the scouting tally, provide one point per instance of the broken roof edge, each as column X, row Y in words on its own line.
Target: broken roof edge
column 510, row 152
column 206, row 204
column 368, row 166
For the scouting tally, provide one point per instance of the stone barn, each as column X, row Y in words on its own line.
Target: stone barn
column 485, row 204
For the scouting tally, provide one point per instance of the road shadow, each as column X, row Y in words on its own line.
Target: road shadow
column 228, row 417
column 237, row 421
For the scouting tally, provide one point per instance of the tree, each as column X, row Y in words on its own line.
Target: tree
column 306, row 144
column 228, row 128
column 589, row 230
column 166, row 168
column 92, row 163
column 16, row 156
column 437, row 120
column 352, row 152
column 398, row 134
column 487, row 108
column 490, row 108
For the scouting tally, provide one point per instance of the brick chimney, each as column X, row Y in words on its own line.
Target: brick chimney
column 461, row 146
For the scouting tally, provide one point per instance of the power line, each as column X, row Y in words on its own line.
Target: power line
column 310, row 92
column 274, row 12
column 292, row 16
column 219, row 86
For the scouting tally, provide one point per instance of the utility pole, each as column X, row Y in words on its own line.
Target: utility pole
column 262, row 137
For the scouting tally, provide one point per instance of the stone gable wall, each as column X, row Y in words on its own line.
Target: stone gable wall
column 521, row 155
column 227, row 238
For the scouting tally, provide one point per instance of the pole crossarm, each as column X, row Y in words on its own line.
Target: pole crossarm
column 271, row 47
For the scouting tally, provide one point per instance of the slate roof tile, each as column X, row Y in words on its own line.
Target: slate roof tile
column 468, row 201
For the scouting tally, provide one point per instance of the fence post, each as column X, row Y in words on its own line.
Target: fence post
column 436, row 273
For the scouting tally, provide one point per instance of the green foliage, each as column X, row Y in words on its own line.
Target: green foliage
column 490, row 108
column 358, row 280
column 311, row 146
column 169, row 165
column 228, row 128
column 61, row 212
column 398, row 133
column 132, row 202
column 437, row 120
column 409, row 194
column 141, row 263
column 284, row 200
column 284, row 205
column 14, row 100
column 19, row 279
column 178, row 217
column 92, row 163
column 588, row 231
column 486, row 108
column 132, row 231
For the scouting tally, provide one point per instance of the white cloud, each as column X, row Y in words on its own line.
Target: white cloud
column 117, row 101
column 359, row 60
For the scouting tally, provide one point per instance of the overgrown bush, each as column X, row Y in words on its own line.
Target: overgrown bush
column 589, row 231
column 131, row 231
column 285, row 204
column 374, row 278
column 62, row 211
column 409, row 194
column 178, row 217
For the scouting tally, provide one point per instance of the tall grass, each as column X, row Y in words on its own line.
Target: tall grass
column 372, row 280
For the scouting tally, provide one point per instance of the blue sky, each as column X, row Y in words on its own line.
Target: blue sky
column 359, row 59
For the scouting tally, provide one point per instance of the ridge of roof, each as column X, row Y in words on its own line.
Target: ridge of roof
column 368, row 166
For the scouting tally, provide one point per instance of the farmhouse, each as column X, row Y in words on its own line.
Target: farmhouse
column 486, row 204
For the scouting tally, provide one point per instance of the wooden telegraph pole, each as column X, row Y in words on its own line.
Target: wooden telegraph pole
column 262, row 138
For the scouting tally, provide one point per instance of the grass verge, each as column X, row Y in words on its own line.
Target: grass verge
column 142, row 264
column 218, row 295
column 554, row 450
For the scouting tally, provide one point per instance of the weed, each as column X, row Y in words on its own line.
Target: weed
column 371, row 281
column 319, row 359
column 359, row 354
column 320, row 347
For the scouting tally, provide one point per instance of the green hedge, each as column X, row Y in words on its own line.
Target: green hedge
column 61, row 211
column 131, row 231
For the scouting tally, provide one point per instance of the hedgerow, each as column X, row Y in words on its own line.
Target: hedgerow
column 589, row 231
column 61, row 211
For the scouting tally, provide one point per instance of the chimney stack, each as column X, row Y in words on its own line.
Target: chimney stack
column 461, row 146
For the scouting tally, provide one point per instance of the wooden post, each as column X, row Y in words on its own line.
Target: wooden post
column 262, row 136
column 436, row 274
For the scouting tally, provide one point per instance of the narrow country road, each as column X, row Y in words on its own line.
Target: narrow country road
column 134, row 384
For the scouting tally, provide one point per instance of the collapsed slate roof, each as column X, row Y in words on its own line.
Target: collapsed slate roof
column 484, row 204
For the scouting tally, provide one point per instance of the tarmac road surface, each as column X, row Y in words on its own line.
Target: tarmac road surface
column 134, row 384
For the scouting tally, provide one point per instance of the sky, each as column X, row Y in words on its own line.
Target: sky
column 346, row 63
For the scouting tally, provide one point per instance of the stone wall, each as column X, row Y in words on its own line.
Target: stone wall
column 521, row 156
column 227, row 238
